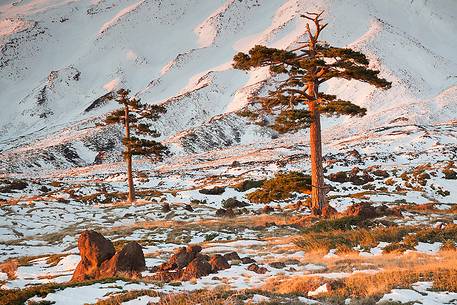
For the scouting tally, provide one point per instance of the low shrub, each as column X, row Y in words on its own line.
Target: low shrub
column 281, row 187
column 246, row 185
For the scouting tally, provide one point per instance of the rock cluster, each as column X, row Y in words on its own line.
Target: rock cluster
column 100, row 260
column 188, row 263
column 367, row 211
column 355, row 176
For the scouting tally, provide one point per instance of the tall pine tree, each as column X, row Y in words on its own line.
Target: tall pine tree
column 296, row 101
column 134, row 116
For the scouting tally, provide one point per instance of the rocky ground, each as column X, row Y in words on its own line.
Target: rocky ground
column 394, row 218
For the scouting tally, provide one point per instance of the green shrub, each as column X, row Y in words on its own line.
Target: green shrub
column 247, row 185
column 281, row 187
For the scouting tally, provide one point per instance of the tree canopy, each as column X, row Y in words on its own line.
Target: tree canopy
column 139, row 117
column 293, row 70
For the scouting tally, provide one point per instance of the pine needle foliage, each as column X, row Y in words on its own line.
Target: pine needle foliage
column 295, row 69
column 295, row 101
column 140, row 117
column 136, row 119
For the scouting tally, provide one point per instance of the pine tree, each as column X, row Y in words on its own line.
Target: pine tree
column 134, row 116
column 296, row 101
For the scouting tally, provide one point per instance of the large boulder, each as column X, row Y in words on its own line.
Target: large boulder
column 100, row 260
column 94, row 250
column 197, row 268
column 182, row 257
column 363, row 210
column 188, row 263
column 218, row 262
column 128, row 262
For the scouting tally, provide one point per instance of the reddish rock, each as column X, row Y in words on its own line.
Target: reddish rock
column 218, row 262
column 255, row 268
column 129, row 261
column 99, row 260
column 267, row 209
column 182, row 257
column 197, row 268
column 277, row 265
column 248, row 260
column 94, row 250
column 363, row 210
column 232, row 256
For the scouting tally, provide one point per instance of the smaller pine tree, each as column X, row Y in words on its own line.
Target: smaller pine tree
column 134, row 116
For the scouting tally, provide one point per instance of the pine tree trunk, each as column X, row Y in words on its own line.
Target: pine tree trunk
column 128, row 157
column 318, row 195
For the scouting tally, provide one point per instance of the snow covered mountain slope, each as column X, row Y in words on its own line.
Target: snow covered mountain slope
column 61, row 59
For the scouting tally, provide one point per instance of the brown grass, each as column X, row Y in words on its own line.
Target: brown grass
column 127, row 296
column 9, row 267
column 393, row 272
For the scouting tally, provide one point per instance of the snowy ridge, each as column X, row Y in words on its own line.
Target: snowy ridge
column 61, row 59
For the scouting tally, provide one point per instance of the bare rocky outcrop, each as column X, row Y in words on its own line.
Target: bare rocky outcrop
column 218, row 262
column 197, row 268
column 128, row 262
column 367, row 211
column 94, row 249
column 100, row 260
column 182, row 257
column 188, row 263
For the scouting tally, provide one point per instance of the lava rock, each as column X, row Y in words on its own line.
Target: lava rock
column 225, row 213
column 182, row 257
column 218, row 262
column 248, row 260
column 277, row 265
column 197, row 268
column 94, row 250
column 232, row 256
column 255, row 268
column 233, row 203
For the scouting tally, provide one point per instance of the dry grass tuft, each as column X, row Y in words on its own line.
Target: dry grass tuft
column 9, row 267
column 392, row 272
column 203, row 297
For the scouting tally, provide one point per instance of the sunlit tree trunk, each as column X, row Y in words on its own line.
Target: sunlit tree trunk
column 128, row 157
column 318, row 195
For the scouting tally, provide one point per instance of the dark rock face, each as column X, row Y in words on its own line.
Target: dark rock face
column 218, row 262
column 277, row 265
column 225, row 213
column 188, row 263
column 94, row 250
column 182, row 257
column 130, row 259
column 166, row 207
column 355, row 176
column 99, row 259
column 233, row 203
column 255, row 268
column 362, row 210
column 214, row 191
column 248, row 260
column 380, row 173
column 197, row 268
column 232, row 256
column 188, row 207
